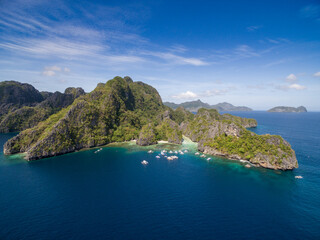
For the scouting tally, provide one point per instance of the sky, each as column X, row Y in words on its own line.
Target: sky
column 258, row 54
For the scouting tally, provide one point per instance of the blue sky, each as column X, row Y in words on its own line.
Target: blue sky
column 254, row 53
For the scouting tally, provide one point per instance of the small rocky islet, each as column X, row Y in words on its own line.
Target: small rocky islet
column 285, row 109
column 123, row 110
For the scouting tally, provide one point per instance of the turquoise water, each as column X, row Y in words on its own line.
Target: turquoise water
column 111, row 195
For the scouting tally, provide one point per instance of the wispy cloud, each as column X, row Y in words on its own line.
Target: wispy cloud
column 256, row 86
column 246, row 51
column 317, row 74
column 311, row 12
column 253, row 28
column 277, row 62
column 51, row 47
column 239, row 52
column 215, row 92
column 172, row 58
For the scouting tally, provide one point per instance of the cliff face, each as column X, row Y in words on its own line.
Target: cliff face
column 14, row 95
column 288, row 109
column 27, row 117
column 227, row 136
column 123, row 110
column 117, row 111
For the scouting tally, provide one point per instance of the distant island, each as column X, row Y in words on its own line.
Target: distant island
column 194, row 106
column 288, row 109
column 122, row 110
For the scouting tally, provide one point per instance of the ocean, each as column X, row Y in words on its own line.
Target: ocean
column 111, row 195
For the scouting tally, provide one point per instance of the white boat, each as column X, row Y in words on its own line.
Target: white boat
column 208, row 159
column 150, row 151
column 144, row 162
column 203, row 156
column 170, row 152
column 157, row 156
column 299, row 177
column 185, row 151
column 175, row 152
column 197, row 153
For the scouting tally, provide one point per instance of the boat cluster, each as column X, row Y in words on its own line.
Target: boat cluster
column 202, row 155
column 168, row 154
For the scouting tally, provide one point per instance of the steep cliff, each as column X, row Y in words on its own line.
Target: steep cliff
column 29, row 116
column 14, row 95
column 227, row 136
column 116, row 111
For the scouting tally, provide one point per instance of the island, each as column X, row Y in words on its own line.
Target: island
column 122, row 110
column 288, row 109
column 194, row 106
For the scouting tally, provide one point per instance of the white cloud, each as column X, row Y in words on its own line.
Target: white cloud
column 296, row 86
column 317, row 74
column 291, row 78
column 186, row 95
column 52, row 70
column 48, row 73
column 207, row 93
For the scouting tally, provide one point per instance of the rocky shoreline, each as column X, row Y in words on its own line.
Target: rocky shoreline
column 123, row 110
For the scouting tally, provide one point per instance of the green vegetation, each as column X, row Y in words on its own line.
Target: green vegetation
column 123, row 110
column 249, row 145
column 29, row 116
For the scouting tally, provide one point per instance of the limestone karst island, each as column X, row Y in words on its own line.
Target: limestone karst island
column 159, row 120
column 120, row 110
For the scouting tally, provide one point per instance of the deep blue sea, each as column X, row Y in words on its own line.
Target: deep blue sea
column 111, row 195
